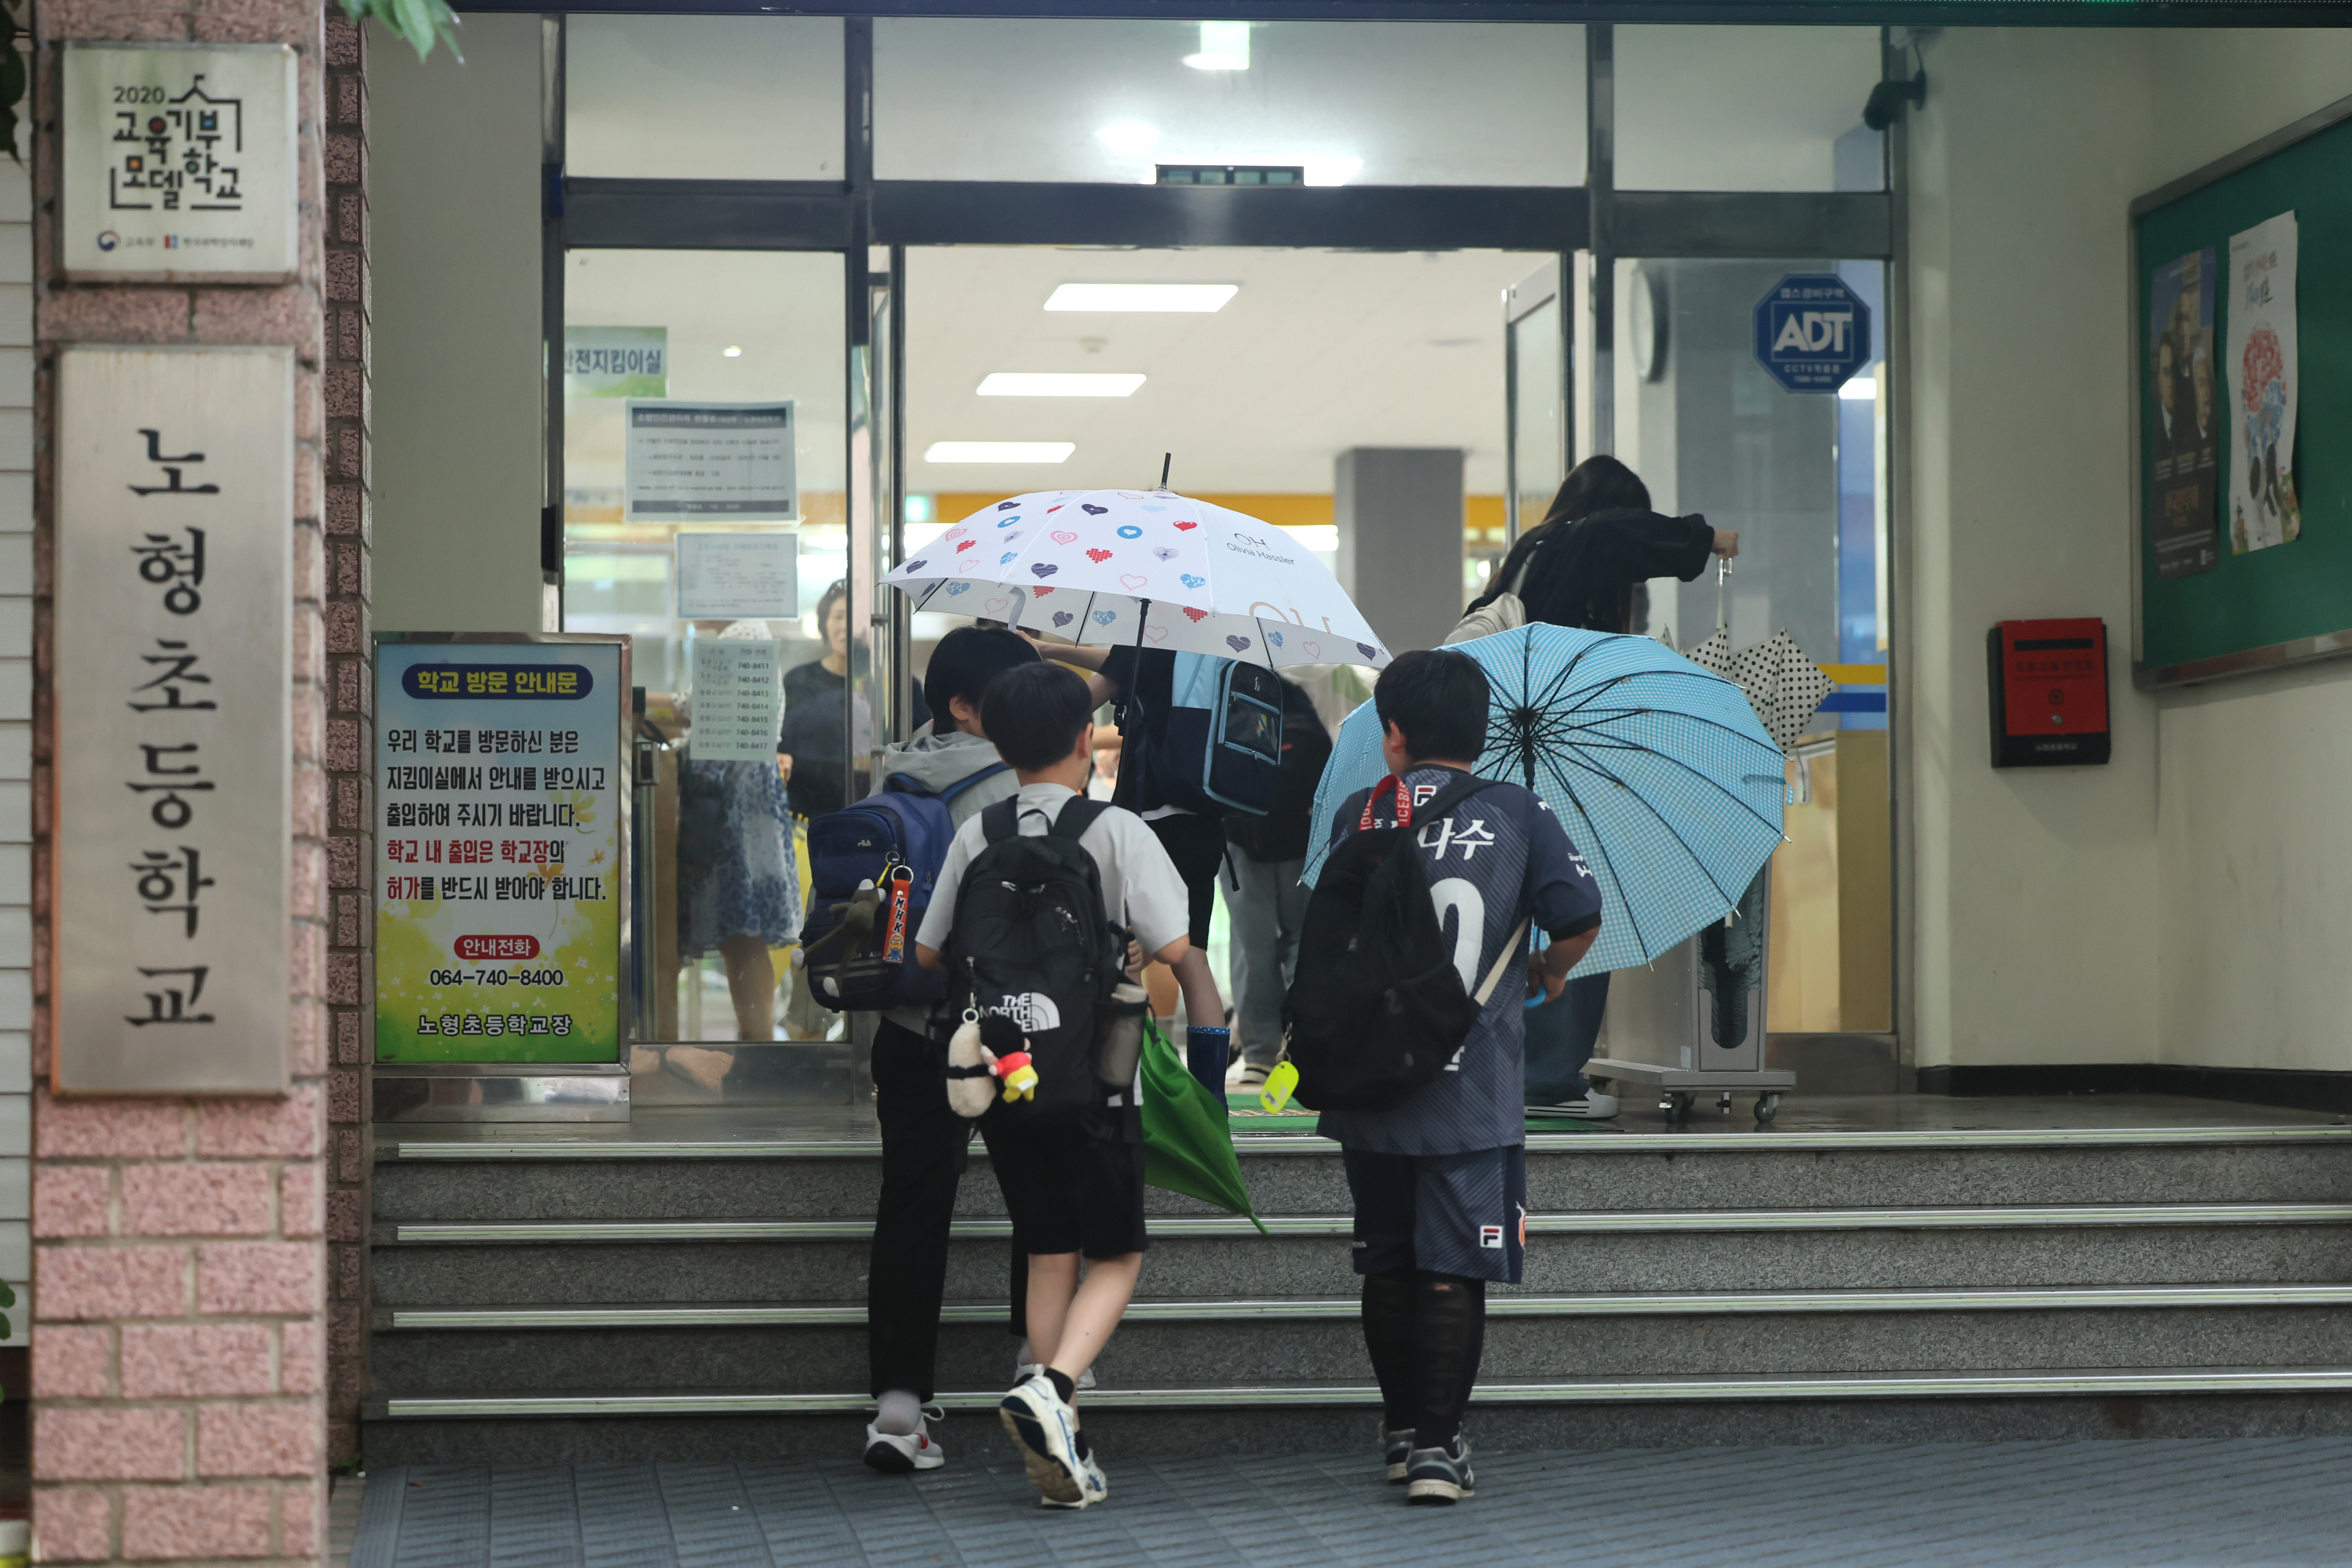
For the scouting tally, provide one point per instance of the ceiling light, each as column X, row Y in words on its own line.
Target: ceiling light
column 1224, row 47
column 1128, row 137
column 1059, row 384
column 1203, row 297
column 733, row 350
column 999, row 451
column 1860, row 389
column 1332, row 171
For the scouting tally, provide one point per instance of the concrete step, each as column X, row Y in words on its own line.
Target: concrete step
column 1298, row 1175
column 1683, row 1412
column 516, row 1264
column 1192, row 1344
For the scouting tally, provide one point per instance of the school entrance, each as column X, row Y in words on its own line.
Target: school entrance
column 937, row 262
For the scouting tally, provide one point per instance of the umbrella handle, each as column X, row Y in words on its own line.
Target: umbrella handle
column 1722, row 595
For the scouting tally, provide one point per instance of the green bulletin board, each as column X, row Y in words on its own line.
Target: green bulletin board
column 2256, row 610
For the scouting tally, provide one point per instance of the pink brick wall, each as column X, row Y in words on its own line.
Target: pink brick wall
column 180, row 1386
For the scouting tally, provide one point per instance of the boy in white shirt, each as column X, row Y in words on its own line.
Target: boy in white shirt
column 1074, row 1187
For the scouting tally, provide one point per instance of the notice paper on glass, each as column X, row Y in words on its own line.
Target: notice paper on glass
column 2262, row 375
column 688, row 462
column 730, row 575
column 739, row 703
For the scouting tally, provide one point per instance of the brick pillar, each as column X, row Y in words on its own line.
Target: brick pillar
column 180, row 1265
column 351, row 841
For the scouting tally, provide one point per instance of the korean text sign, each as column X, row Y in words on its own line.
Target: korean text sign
column 175, row 659
column 179, row 162
column 499, row 888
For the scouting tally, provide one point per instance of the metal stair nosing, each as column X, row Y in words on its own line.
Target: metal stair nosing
column 488, row 1150
column 2139, row 1298
column 2099, row 1384
column 1584, row 1223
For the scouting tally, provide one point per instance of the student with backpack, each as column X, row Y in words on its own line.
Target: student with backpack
column 1405, row 1027
column 931, row 787
column 1201, row 745
column 1036, row 906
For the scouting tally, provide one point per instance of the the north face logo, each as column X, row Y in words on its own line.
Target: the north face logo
column 1034, row 1010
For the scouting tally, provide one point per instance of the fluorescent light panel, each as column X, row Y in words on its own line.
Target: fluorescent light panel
column 999, row 451
column 1201, row 298
column 1059, row 384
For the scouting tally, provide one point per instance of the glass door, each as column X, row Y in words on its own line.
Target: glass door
column 1801, row 476
column 720, row 472
column 1538, row 337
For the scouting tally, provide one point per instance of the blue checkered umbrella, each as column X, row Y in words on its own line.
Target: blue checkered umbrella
column 1659, row 770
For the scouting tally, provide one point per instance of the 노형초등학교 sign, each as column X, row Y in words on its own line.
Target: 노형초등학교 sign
column 173, row 740
column 501, row 888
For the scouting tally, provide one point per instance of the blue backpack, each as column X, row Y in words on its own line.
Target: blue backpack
column 872, row 868
column 1213, row 739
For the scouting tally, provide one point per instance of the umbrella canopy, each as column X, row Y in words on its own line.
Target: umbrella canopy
column 1142, row 567
column 1783, row 686
column 1657, row 769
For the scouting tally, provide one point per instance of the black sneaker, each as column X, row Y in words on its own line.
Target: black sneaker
column 1440, row 1477
column 1398, row 1447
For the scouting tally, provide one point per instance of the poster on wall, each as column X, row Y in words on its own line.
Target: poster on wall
column 499, row 854
column 709, row 462
column 2262, row 376
column 725, row 577
column 2183, row 440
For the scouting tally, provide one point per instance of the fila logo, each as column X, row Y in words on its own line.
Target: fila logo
column 1490, row 1236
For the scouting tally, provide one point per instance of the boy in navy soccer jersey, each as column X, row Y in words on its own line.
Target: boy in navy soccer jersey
column 1440, row 1181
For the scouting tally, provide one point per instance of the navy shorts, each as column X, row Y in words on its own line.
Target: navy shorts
column 1074, row 1185
column 1449, row 1214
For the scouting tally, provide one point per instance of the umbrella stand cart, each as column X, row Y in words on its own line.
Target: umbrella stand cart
column 1692, row 1023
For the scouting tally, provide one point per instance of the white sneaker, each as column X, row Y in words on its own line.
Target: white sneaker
column 1093, row 1486
column 1245, row 1075
column 1045, row 1430
column 1022, row 1370
column 897, row 1455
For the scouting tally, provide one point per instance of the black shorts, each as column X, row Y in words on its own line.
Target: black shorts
column 1449, row 1214
column 1197, row 845
column 1074, row 1186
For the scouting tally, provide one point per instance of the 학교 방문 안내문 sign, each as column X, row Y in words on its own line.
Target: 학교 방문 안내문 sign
column 500, row 882
column 178, row 162
column 175, row 568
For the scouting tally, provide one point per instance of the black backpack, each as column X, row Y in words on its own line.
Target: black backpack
column 1378, row 1008
column 1032, row 942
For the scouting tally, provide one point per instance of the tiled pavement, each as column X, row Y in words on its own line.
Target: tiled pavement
column 2244, row 1500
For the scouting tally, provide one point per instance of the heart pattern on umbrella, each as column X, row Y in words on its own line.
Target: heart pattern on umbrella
column 1186, row 528
column 1064, row 537
column 1133, row 583
column 1090, row 506
column 1238, row 645
column 1198, row 615
column 917, row 565
column 1042, row 568
column 1063, row 618
column 1162, row 552
column 1104, row 617
column 1189, row 581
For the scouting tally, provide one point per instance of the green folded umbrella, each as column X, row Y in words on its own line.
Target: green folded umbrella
column 1187, row 1146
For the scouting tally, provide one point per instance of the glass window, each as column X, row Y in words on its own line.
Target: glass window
column 1746, row 108
column 1800, row 478
column 686, row 532
column 703, row 98
column 1408, row 104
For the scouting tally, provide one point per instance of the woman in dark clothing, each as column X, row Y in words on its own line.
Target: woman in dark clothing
column 1593, row 551
column 1596, row 547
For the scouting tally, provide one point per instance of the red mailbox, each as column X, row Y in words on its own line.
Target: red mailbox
column 2049, row 692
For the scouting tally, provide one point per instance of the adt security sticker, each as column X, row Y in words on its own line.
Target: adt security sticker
column 1813, row 332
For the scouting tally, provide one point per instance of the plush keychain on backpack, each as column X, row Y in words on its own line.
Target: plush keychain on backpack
column 983, row 1049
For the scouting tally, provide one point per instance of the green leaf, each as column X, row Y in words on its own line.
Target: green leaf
column 7, row 1299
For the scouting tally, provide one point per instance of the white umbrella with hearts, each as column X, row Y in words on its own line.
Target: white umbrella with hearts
column 1142, row 567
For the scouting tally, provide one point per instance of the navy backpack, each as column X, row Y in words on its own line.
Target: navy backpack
column 1212, row 736
column 872, row 867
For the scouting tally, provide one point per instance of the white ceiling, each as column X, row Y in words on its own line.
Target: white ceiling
column 1318, row 352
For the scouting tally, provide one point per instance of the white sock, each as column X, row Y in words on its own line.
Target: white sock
column 1024, row 1358
column 899, row 1415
